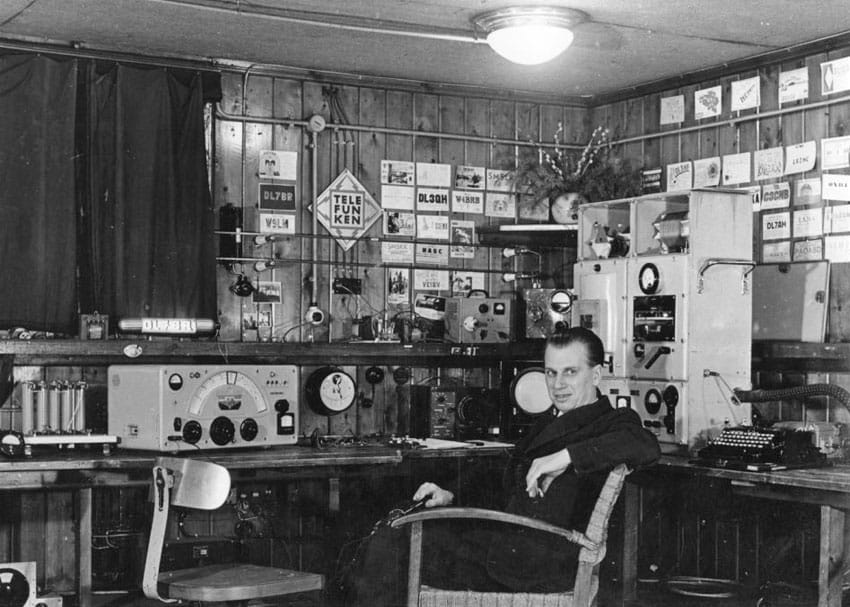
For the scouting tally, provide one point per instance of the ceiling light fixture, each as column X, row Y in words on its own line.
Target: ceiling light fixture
column 529, row 35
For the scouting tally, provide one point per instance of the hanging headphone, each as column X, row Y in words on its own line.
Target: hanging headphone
column 11, row 443
column 242, row 287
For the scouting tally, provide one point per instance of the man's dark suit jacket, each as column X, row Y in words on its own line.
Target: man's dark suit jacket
column 598, row 438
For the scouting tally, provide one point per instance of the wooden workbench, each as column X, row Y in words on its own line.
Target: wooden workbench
column 82, row 472
column 828, row 488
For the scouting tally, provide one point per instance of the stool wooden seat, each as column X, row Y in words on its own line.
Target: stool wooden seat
column 232, row 582
column 203, row 485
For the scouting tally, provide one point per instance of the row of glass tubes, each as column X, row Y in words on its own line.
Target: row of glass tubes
column 55, row 407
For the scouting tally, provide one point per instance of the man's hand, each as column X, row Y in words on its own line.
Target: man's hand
column 437, row 496
column 544, row 470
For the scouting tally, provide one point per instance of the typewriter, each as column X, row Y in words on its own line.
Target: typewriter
column 761, row 449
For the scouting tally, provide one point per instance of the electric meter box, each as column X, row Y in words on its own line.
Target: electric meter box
column 665, row 281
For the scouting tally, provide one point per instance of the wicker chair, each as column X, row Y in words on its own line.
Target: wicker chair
column 592, row 543
column 203, row 485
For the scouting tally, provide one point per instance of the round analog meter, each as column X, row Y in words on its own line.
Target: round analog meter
column 648, row 278
column 560, row 302
column 330, row 391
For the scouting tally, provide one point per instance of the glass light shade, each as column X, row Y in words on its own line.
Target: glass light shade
column 529, row 35
column 530, row 44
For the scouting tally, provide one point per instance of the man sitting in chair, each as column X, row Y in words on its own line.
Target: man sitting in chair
column 555, row 474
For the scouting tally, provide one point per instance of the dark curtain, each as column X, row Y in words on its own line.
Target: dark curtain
column 147, row 243
column 37, row 200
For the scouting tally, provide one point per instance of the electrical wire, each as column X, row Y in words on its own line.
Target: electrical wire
column 721, row 385
column 293, row 328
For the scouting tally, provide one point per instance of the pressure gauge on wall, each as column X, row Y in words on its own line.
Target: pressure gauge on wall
column 330, row 390
column 648, row 278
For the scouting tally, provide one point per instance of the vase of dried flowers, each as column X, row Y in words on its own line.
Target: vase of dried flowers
column 568, row 178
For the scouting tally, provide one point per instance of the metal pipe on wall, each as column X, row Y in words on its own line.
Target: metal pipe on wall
column 732, row 121
column 221, row 114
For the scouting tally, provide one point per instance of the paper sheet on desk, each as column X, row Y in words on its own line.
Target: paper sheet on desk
column 438, row 443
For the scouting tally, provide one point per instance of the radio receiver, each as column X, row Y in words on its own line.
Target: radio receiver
column 547, row 311
column 189, row 407
column 479, row 319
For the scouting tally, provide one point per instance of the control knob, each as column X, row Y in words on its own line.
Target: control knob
column 222, row 431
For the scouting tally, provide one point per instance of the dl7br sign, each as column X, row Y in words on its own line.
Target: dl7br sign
column 346, row 209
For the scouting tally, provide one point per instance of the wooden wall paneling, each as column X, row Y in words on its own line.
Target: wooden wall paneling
column 452, row 151
column 60, row 562
column 315, row 103
column 528, row 122
column 477, row 123
column 689, row 142
column 345, row 151
column 258, row 102
column 708, row 138
column 839, row 116
column 370, row 151
column 9, row 524
column 399, row 116
column 838, row 125
column 577, row 124
column 815, row 120
column 426, row 118
column 770, row 129
column 792, row 128
column 228, row 190
column 727, row 135
column 31, row 532
column 502, row 126
column 258, row 96
column 651, row 156
column 632, row 116
column 668, row 145
column 287, row 105
column 609, row 116
column 748, row 131
column 502, row 156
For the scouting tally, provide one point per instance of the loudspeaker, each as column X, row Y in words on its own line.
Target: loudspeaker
column 527, row 397
column 17, row 584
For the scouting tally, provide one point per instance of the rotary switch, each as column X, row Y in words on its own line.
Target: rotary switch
column 222, row 431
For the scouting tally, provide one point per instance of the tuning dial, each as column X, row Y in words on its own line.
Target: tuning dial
column 222, row 431
column 652, row 401
column 192, row 432
column 249, row 429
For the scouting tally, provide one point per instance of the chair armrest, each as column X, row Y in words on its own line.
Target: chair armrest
column 430, row 514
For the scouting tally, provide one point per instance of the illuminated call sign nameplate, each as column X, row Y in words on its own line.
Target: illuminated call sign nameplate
column 167, row 326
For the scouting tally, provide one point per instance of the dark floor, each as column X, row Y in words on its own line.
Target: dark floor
column 649, row 595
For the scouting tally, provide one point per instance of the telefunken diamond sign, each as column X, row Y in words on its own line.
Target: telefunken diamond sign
column 347, row 210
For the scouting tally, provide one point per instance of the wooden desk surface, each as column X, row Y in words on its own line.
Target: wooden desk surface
column 824, row 486
column 829, row 478
column 89, row 468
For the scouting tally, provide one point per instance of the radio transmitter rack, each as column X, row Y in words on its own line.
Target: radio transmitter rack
column 674, row 311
